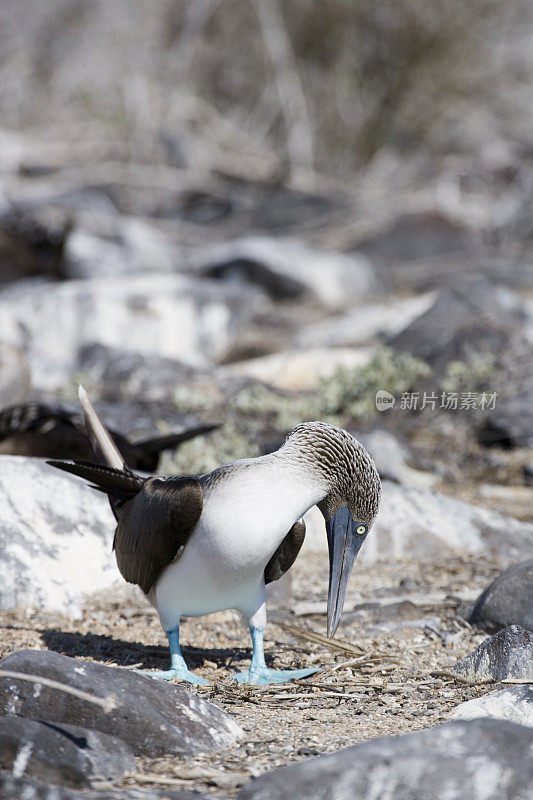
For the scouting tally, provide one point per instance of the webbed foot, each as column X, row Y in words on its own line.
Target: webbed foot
column 174, row 674
column 263, row 676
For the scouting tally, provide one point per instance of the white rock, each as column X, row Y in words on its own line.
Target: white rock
column 364, row 323
column 299, row 370
column 424, row 525
column 55, row 538
column 168, row 315
column 514, row 704
column 391, row 456
column 289, row 266
column 135, row 248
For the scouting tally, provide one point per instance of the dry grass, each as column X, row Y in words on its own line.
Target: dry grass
column 322, row 85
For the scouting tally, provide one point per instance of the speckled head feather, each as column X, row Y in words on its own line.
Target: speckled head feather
column 344, row 463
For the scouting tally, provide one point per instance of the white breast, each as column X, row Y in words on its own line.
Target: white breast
column 245, row 516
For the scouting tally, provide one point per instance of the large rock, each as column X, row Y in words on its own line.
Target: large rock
column 168, row 315
column 477, row 323
column 510, row 423
column 59, row 753
column 428, row 248
column 514, row 704
column 422, row 524
column 364, row 323
column 55, row 538
column 471, row 317
column 288, row 269
column 425, row 524
column 132, row 248
column 415, row 236
column 119, row 372
column 507, row 601
column 12, row 788
column 154, row 717
column 15, row 375
column 479, row 760
column 391, row 456
column 507, row 654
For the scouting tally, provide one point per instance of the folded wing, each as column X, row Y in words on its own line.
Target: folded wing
column 286, row 554
column 154, row 528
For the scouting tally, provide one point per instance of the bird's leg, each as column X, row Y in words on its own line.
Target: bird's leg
column 178, row 668
column 259, row 673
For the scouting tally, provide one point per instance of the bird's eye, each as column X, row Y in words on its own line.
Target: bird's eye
column 361, row 529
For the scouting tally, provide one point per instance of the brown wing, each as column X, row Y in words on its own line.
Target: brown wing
column 286, row 554
column 155, row 526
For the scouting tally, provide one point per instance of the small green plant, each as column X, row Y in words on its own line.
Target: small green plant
column 275, row 409
column 345, row 398
column 474, row 375
column 349, row 394
column 203, row 454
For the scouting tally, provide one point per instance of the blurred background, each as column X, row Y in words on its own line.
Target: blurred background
column 227, row 217
column 250, row 214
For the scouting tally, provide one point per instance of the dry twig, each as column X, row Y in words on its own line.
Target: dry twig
column 335, row 644
column 107, row 703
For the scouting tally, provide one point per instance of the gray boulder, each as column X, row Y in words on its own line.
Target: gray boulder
column 172, row 316
column 152, row 716
column 507, row 654
column 364, row 323
column 287, row 269
column 12, row 788
column 429, row 248
column 507, row 601
column 419, row 235
column 510, row 423
column 119, row 372
column 471, row 317
column 132, row 248
column 55, row 538
column 391, row 456
column 479, row 760
column 514, row 704
column 59, row 753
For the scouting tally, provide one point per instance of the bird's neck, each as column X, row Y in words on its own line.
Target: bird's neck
column 302, row 477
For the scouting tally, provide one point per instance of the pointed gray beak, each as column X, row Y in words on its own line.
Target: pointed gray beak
column 344, row 544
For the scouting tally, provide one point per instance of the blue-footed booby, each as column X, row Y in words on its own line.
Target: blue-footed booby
column 196, row 545
column 55, row 430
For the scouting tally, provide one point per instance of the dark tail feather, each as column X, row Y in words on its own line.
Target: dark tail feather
column 159, row 443
column 118, row 484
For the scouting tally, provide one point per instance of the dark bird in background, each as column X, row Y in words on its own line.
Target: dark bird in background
column 206, row 543
column 48, row 430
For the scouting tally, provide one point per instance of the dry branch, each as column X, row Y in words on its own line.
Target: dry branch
column 335, row 644
column 107, row 703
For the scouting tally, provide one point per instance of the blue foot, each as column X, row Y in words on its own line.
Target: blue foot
column 174, row 674
column 178, row 668
column 264, row 676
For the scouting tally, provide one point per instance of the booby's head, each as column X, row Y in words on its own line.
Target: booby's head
column 350, row 504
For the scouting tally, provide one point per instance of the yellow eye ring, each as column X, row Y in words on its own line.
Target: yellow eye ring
column 361, row 529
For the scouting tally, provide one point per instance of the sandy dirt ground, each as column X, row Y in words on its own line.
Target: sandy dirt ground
column 386, row 672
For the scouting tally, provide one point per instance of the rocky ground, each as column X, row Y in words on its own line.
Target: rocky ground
column 386, row 673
